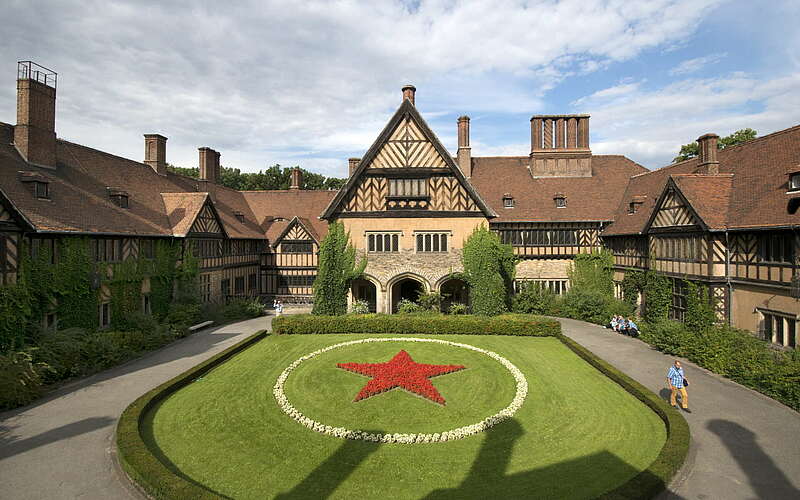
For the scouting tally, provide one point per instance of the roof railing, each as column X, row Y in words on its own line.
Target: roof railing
column 29, row 70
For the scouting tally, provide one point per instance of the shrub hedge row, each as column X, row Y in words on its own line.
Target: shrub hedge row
column 651, row 481
column 136, row 457
column 507, row 324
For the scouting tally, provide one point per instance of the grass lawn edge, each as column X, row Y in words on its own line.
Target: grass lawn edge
column 156, row 479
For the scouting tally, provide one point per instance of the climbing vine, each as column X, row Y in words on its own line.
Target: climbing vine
column 633, row 284
column 658, row 297
column 700, row 314
column 489, row 268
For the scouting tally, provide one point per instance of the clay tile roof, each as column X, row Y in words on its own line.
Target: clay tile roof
column 307, row 205
column 757, row 193
column 588, row 198
column 709, row 196
column 182, row 210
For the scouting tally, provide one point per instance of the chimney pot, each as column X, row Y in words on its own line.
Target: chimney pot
column 297, row 178
column 409, row 92
column 155, row 152
column 464, row 154
column 352, row 164
column 708, row 153
column 209, row 165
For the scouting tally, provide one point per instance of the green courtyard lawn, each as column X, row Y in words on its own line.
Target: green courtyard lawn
column 577, row 435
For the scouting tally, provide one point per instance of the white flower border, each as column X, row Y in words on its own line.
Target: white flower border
column 439, row 437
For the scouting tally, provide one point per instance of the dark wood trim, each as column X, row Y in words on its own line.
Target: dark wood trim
column 422, row 213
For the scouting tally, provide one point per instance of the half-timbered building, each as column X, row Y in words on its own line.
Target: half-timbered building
column 728, row 220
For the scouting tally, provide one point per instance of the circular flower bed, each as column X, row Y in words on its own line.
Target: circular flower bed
column 439, row 437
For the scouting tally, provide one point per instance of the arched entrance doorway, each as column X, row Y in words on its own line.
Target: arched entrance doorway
column 365, row 290
column 454, row 291
column 406, row 288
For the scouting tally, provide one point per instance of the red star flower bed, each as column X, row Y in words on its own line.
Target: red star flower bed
column 401, row 371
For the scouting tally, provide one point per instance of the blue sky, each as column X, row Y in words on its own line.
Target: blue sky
column 313, row 83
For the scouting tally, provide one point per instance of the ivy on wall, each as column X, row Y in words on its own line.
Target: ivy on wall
column 658, row 297
column 489, row 268
column 700, row 314
column 633, row 284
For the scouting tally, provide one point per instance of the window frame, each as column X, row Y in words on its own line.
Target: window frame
column 508, row 202
column 104, row 318
column 432, row 242
column 794, row 182
column 408, row 188
column 377, row 242
column 561, row 201
column 41, row 190
column 297, row 247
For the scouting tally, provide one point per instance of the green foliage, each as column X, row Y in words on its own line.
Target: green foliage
column 181, row 316
column 592, row 272
column 15, row 313
column 658, row 297
column 533, row 298
column 458, row 308
column 506, row 324
column 337, row 268
column 700, row 314
column 234, row 310
column 430, row 301
column 359, row 307
column 405, row 306
column 589, row 305
column 733, row 353
column 20, row 379
column 489, row 268
column 692, row 149
column 633, row 284
column 274, row 177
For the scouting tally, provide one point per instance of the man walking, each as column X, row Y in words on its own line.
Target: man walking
column 677, row 382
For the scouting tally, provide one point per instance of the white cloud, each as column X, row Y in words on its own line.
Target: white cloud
column 261, row 80
column 696, row 64
column 649, row 125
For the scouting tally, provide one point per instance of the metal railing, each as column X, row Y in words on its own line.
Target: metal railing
column 29, row 70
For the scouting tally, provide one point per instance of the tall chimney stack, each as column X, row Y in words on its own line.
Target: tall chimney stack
column 209, row 165
column 155, row 152
column 35, row 132
column 464, row 155
column 352, row 164
column 297, row 178
column 708, row 153
column 409, row 91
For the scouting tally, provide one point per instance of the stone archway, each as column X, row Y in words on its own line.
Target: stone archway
column 408, row 287
column 366, row 290
column 454, row 291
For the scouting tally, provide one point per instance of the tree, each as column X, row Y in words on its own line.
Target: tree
column 489, row 268
column 692, row 149
column 337, row 268
column 274, row 177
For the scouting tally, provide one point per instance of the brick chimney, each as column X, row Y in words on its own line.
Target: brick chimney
column 155, row 152
column 464, row 155
column 409, row 91
column 352, row 164
column 297, row 178
column 35, row 132
column 708, row 154
column 560, row 146
column 209, row 165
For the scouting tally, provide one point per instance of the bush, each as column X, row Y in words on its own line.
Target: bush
column 405, row 306
column 591, row 306
column 458, row 308
column 733, row 353
column 181, row 316
column 533, row 298
column 430, row 301
column 337, row 268
column 489, row 268
column 507, row 324
column 360, row 307
column 20, row 379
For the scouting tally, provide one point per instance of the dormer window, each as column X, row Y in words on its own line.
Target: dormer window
column 239, row 216
column 635, row 204
column 118, row 197
column 794, row 181
column 508, row 201
column 561, row 201
column 41, row 190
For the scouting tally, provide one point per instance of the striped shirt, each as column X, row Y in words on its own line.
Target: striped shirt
column 675, row 376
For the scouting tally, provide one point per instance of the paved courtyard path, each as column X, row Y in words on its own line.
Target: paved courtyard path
column 744, row 445
column 60, row 447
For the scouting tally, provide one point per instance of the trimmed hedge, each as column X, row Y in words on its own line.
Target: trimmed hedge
column 432, row 324
column 653, row 480
column 136, row 458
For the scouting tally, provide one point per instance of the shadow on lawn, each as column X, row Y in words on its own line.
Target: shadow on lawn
column 487, row 477
column 324, row 480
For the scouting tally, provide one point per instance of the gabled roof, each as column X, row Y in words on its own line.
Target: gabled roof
column 406, row 109
column 79, row 201
column 183, row 210
column 592, row 198
column 296, row 221
column 756, row 192
column 285, row 205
